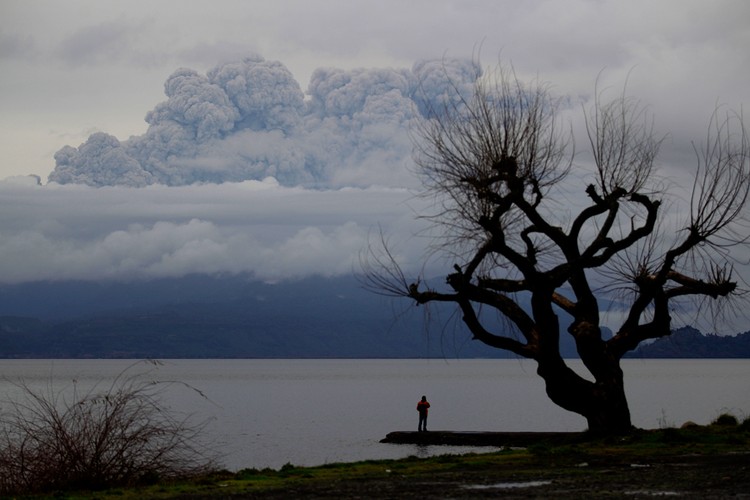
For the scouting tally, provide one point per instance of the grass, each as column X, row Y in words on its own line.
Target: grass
column 246, row 481
column 575, row 465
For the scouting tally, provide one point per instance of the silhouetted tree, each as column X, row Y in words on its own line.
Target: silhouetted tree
column 499, row 167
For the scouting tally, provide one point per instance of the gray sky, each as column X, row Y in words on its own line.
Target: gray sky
column 71, row 68
column 76, row 68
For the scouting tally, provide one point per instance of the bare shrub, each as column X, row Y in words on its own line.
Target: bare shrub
column 726, row 419
column 120, row 436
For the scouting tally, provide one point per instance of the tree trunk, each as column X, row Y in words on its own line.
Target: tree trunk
column 609, row 413
column 603, row 403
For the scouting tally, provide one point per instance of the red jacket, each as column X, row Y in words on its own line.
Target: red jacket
column 422, row 406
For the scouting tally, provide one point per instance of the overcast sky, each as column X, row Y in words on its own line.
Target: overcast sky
column 71, row 68
column 132, row 108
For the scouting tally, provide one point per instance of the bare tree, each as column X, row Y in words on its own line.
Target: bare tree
column 497, row 165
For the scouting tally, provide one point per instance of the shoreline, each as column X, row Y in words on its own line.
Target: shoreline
column 710, row 462
column 481, row 438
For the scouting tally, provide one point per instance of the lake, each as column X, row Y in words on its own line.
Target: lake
column 269, row 412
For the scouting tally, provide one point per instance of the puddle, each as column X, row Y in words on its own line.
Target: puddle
column 653, row 493
column 506, row 486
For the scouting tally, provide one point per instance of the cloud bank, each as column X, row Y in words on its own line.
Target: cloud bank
column 239, row 171
column 249, row 120
column 259, row 228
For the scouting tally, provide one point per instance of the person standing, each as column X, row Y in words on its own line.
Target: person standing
column 422, row 408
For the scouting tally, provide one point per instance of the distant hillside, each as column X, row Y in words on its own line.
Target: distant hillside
column 237, row 317
column 227, row 317
column 688, row 342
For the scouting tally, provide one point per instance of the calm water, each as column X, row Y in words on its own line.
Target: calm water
column 265, row 413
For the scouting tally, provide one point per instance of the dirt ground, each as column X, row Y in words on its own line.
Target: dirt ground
column 688, row 476
column 705, row 476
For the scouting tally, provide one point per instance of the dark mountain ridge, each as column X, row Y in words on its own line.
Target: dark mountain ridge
column 222, row 317
column 689, row 343
column 238, row 317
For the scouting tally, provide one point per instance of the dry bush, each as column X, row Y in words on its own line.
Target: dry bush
column 120, row 436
